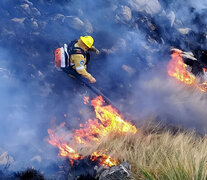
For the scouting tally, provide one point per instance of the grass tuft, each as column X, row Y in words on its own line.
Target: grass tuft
column 157, row 156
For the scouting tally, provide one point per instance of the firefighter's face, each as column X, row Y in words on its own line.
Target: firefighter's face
column 83, row 46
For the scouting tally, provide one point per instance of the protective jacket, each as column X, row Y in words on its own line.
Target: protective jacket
column 79, row 59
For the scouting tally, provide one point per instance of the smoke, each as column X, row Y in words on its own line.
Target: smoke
column 22, row 120
column 134, row 38
column 169, row 101
column 152, row 92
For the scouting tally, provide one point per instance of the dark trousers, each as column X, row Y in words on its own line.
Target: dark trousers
column 70, row 70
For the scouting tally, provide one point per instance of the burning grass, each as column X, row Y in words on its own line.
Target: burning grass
column 178, row 69
column 107, row 120
column 153, row 153
column 159, row 156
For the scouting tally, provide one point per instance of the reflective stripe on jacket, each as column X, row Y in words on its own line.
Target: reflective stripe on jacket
column 79, row 64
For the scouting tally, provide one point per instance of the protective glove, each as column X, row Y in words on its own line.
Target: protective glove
column 92, row 80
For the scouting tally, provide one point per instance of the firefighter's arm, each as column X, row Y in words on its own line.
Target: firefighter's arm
column 81, row 69
column 93, row 48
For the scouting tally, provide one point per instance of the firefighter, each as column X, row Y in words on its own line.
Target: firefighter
column 78, row 55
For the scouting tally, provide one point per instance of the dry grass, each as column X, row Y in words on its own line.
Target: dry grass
column 165, row 156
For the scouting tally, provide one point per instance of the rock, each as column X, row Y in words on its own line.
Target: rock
column 178, row 24
column 59, row 17
column 123, row 14
column 5, row 158
column 26, row 7
column 34, row 23
column 171, row 17
column 19, row 20
column 29, row 9
column 74, row 22
column 149, row 6
column 88, row 26
column 35, row 12
column 28, row 2
column 184, row 31
column 128, row 69
column 120, row 172
column 40, row 74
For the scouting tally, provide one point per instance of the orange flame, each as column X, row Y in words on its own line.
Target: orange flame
column 110, row 121
column 64, row 149
column 202, row 87
column 103, row 159
column 177, row 69
column 107, row 120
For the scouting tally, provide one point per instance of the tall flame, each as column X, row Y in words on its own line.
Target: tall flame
column 107, row 120
column 177, row 69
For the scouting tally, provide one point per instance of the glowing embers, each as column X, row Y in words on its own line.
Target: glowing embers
column 202, row 87
column 177, row 69
column 107, row 120
column 86, row 99
column 103, row 159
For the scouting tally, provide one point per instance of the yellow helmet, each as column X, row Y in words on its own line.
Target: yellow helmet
column 87, row 40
